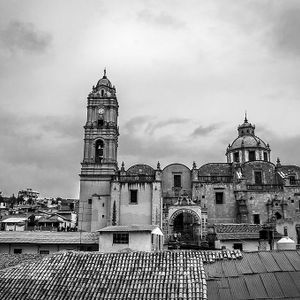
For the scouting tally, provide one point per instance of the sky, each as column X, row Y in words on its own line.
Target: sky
column 185, row 73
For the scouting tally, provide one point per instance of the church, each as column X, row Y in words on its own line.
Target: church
column 182, row 200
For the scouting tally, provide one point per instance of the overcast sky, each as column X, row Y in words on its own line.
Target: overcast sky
column 185, row 72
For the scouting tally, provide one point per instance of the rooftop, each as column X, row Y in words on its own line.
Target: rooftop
column 90, row 275
column 239, row 231
column 258, row 275
column 44, row 237
column 130, row 228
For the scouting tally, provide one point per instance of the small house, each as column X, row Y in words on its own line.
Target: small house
column 134, row 237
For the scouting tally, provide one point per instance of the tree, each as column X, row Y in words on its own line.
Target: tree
column 114, row 214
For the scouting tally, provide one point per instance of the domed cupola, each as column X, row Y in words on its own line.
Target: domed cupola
column 104, row 88
column 246, row 128
column 247, row 146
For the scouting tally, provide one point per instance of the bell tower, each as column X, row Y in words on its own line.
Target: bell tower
column 99, row 163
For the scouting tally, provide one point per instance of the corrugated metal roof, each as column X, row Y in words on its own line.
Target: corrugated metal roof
column 293, row 257
column 272, row 288
column 258, row 275
column 287, row 285
column 238, row 288
column 282, row 261
column 269, row 261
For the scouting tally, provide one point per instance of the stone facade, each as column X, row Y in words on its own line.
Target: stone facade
column 248, row 188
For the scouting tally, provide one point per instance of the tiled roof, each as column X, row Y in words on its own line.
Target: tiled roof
column 90, row 275
column 128, row 228
column 258, row 275
column 9, row 260
column 42, row 237
column 239, row 231
column 215, row 169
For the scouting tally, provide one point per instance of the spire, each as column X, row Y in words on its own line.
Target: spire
column 246, row 120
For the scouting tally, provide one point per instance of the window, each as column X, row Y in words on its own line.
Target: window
column 177, row 180
column 133, row 197
column 90, row 201
column 102, row 93
column 278, row 215
column 236, row 157
column 256, row 219
column 265, row 156
column 219, row 198
column 99, row 151
column 44, row 252
column 17, row 251
column 251, row 155
column 292, row 180
column 257, row 177
column 238, row 246
column 121, row 238
column 103, row 216
column 102, row 204
column 100, row 122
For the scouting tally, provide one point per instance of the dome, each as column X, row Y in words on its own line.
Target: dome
column 140, row 169
column 248, row 141
column 104, row 81
column 247, row 146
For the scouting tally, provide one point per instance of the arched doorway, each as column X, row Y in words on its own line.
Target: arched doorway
column 185, row 227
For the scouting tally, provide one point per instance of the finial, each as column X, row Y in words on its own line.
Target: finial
column 194, row 165
column 158, row 165
column 104, row 76
column 278, row 162
column 246, row 120
column 122, row 167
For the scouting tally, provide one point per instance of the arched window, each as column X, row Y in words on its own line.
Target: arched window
column 99, row 153
column 102, row 93
column 278, row 215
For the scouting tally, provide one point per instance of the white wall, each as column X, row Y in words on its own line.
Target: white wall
column 138, row 241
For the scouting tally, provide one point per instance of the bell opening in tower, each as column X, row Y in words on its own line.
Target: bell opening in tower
column 99, row 151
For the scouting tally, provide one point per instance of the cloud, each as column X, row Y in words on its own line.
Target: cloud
column 162, row 19
column 21, row 36
column 286, row 30
column 40, row 152
column 202, row 130
column 153, row 126
column 141, row 146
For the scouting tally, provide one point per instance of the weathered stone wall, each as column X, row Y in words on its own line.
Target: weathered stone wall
column 168, row 178
column 267, row 169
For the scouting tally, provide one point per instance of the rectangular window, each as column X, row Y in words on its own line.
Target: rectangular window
column 251, row 155
column 121, row 238
column 17, row 251
column 177, row 180
column 90, row 201
column 44, row 252
column 292, row 180
column 265, row 156
column 133, row 197
column 219, row 198
column 236, row 157
column 238, row 246
column 256, row 219
column 257, row 177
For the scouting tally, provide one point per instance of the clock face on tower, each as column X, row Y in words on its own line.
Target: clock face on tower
column 101, row 111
